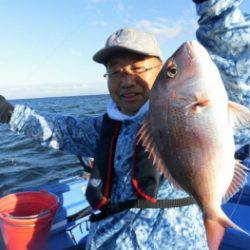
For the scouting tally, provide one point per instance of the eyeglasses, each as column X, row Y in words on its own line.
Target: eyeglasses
column 131, row 69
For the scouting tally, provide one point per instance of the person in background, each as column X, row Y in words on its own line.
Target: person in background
column 133, row 60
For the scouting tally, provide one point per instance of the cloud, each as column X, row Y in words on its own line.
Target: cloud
column 74, row 52
column 162, row 30
column 98, row 1
column 165, row 29
column 100, row 23
column 119, row 6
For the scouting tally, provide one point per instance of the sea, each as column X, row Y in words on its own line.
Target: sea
column 24, row 163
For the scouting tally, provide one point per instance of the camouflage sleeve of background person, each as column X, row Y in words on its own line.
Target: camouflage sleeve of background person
column 225, row 31
column 73, row 135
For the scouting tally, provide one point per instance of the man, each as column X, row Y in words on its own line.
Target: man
column 133, row 60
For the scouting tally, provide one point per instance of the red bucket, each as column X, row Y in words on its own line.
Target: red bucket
column 25, row 219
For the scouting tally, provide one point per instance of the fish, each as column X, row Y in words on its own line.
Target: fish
column 189, row 134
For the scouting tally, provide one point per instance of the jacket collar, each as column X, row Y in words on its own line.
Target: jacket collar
column 115, row 114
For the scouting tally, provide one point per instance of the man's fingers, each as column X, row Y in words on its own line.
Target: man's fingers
column 6, row 110
column 2, row 98
column 3, row 117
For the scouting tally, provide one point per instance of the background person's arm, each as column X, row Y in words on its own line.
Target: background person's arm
column 225, row 32
column 75, row 136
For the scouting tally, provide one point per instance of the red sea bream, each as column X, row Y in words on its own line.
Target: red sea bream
column 189, row 134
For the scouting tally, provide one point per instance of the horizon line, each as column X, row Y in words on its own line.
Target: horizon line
column 46, row 97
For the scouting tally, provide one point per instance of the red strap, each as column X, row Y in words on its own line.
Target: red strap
column 110, row 166
column 135, row 182
column 102, row 202
column 138, row 190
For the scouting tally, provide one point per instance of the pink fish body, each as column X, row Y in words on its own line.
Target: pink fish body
column 189, row 134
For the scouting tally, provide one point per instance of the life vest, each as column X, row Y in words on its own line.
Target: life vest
column 145, row 183
column 145, row 177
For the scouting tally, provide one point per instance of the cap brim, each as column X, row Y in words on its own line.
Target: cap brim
column 103, row 55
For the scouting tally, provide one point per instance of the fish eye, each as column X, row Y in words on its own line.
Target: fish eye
column 172, row 70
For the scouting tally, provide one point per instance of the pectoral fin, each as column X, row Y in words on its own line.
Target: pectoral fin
column 145, row 135
column 239, row 116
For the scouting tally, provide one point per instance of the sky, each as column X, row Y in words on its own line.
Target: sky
column 46, row 46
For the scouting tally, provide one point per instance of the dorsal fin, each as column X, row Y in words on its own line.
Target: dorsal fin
column 238, row 181
column 145, row 136
column 239, row 115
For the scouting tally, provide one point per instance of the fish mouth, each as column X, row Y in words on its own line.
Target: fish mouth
column 194, row 50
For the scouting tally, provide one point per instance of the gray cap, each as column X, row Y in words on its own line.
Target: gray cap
column 130, row 40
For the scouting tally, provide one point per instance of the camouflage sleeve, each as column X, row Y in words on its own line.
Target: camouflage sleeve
column 225, row 31
column 75, row 136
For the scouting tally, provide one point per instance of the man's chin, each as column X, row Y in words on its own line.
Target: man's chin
column 132, row 110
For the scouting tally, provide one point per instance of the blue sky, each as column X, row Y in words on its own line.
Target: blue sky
column 46, row 46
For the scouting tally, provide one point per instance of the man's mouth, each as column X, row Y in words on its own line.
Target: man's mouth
column 129, row 97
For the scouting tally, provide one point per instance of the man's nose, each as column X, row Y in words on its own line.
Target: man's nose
column 127, row 80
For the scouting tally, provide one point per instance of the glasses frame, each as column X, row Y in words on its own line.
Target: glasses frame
column 121, row 70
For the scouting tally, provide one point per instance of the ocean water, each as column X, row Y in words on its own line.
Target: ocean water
column 25, row 163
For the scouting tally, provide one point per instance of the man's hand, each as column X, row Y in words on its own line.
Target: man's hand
column 6, row 110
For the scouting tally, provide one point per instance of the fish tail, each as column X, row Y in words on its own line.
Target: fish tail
column 226, row 222
column 215, row 229
column 214, row 232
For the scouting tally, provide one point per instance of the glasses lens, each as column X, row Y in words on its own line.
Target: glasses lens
column 138, row 70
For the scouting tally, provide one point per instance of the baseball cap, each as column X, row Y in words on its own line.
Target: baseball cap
column 128, row 40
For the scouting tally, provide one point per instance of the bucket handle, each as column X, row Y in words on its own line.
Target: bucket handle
column 36, row 216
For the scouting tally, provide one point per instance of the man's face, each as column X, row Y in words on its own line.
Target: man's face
column 129, row 83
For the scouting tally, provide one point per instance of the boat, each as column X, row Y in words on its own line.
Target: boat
column 70, row 228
